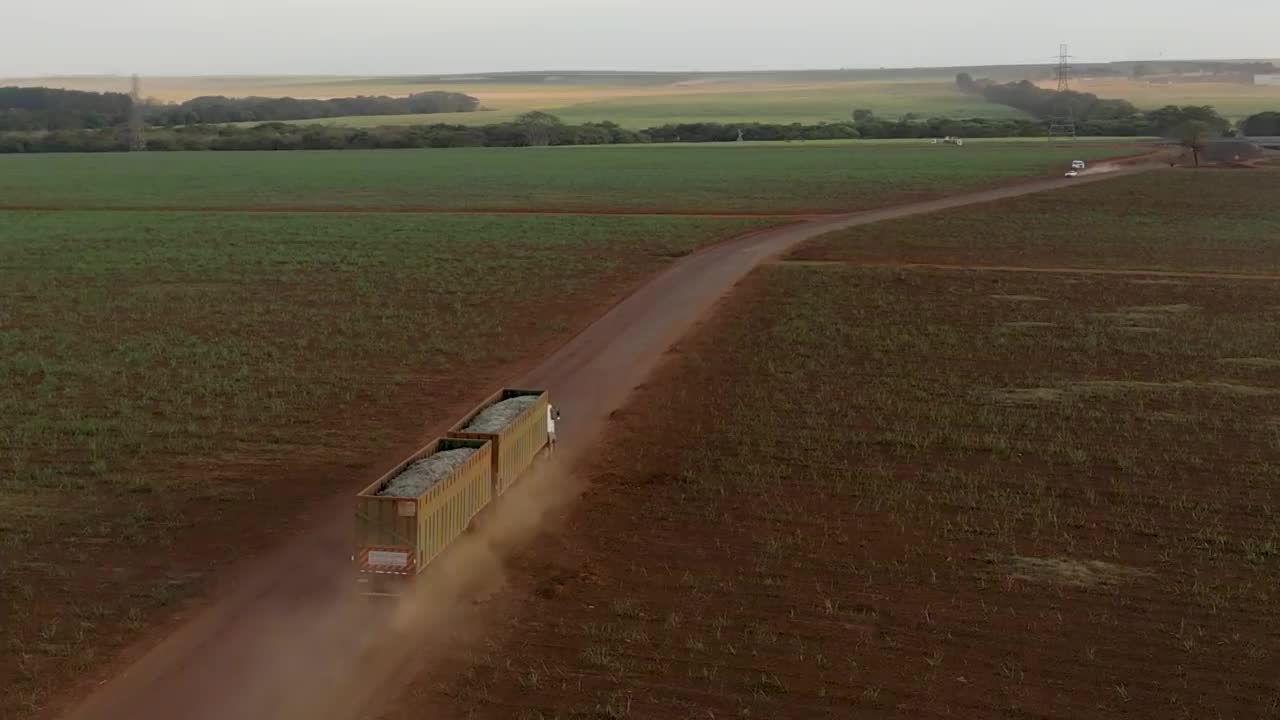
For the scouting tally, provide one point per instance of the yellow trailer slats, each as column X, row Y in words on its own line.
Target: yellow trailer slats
column 517, row 445
column 399, row 536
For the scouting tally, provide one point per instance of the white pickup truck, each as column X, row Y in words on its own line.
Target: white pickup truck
column 1076, row 167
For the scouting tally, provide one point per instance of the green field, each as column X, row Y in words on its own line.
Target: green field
column 641, row 99
column 814, row 99
column 814, row 104
column 635, row 100
column 712, row 178
column 169, row 382
column 1234, row 101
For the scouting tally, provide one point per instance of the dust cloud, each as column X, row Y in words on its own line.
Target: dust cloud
column 1101, row 169
column 348, row 657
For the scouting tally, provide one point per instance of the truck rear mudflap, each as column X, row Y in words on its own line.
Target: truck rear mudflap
column 386, row 587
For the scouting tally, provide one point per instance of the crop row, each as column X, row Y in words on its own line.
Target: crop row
column 167, row 381
column 920, row 494
column 799, row 177
column 1202, row 221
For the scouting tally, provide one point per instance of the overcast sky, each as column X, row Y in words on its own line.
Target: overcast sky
column 438, row 36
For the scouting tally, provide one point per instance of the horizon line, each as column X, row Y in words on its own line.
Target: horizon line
column 1045, row 64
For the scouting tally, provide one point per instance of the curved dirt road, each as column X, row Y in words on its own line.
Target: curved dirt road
column 288, row 642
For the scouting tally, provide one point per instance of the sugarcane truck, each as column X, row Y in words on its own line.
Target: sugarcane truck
column 397, row 535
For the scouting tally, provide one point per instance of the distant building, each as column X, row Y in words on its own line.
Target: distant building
column 1273, row 80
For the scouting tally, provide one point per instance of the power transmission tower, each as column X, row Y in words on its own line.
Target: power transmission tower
column 137, row 140
column 1063, row 122
column 1064, row 68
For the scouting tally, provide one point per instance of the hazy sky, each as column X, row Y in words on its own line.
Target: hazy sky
column 434, row 36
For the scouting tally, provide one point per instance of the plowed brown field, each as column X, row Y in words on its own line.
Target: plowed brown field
column 1197, row 220
column 279, row 639
column 923, row 492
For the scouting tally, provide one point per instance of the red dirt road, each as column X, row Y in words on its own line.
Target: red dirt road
column 286, row 641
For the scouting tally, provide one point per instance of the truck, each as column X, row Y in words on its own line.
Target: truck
column 1077, row 166
column 409, row 516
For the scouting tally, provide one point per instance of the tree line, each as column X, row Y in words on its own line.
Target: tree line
column 1093, row 115
column 36, row 108
column 529, row 130
column 219, row 109
column 45, row 109
column 542, row 129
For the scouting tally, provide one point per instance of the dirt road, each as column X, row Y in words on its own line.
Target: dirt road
column 287, row 642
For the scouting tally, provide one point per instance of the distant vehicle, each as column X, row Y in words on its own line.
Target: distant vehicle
column 1077, row 165
column 1072, row 173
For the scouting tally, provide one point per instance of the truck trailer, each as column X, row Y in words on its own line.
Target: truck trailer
column 410, row 515
column 517, row 443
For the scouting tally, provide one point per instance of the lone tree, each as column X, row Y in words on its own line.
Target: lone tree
column 862, row 115
column 1195, row 136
